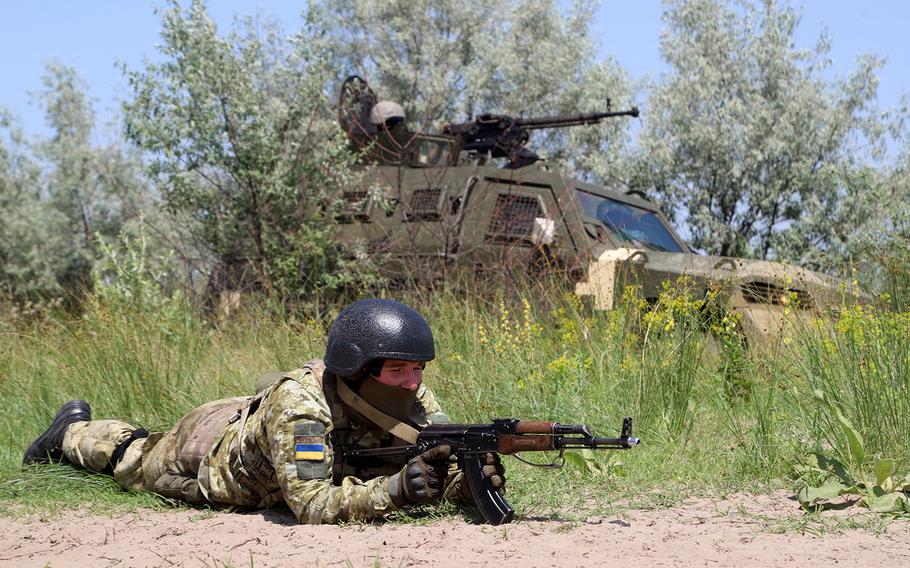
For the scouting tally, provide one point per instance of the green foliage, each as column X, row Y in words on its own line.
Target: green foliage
column 823, row 479
column 141, row 353
column 763, row 155
column 668, row 361
column 41, row 489
column 30, row 245
column 891, row 272
column 449, row 61
column 240, row 135
column 851, row 375
column 738, row 370
column 57, row 195
column 129, row 276
column 761, row 429
column 744, row 136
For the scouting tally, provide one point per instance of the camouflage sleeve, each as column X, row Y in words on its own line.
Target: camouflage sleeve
column 431, row 406
column 297, row 427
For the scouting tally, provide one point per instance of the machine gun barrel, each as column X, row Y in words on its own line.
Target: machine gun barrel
column 572, row 119
column 501, row 136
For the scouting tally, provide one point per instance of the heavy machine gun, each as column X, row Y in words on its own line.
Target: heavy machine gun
column 500, row 136
column 488, row 136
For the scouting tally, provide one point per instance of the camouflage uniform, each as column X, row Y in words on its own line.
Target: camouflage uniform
column 247, row 452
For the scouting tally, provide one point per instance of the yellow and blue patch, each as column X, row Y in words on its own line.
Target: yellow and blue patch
column 312, row 451
column 310, row 448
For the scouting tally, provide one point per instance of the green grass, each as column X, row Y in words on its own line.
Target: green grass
column 713, row 418
column 41, row 490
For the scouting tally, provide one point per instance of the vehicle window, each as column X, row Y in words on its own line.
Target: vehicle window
column 629, row 224
column 432, row 152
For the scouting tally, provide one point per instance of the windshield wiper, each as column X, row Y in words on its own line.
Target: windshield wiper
column 629, row 238
column 635, row 240
column 658, row 247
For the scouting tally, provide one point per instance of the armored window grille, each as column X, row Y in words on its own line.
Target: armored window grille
column 758, row 292
column 424, row 205
column 355, row 205
column 513, row 219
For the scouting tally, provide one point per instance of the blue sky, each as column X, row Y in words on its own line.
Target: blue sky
column 92, row 35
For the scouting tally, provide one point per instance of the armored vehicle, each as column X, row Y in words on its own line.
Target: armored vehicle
column 475, row 197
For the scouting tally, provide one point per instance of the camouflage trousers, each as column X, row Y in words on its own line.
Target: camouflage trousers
column 166, row 463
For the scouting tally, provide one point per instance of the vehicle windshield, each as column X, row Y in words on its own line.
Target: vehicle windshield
column 629, row 224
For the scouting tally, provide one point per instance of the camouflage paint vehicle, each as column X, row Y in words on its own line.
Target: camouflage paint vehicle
column 475, row 197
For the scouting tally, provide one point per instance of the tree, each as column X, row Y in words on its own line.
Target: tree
column 74, row 187
column 59, row 195
column 240, row 136
column 449, row 61
column 748, row 141
column 30, row 245
column 885, row 244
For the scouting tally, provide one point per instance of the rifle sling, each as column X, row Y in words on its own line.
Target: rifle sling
column 392, row 425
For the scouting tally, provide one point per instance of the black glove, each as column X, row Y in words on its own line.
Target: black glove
column 422, row 478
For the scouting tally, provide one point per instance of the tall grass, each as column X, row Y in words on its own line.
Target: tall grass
column 147, row 366
column 710, row 413
column 861, row 362
column 894, row 274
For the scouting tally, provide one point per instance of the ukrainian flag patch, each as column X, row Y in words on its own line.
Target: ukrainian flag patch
column 310, row 448
column 310, row 453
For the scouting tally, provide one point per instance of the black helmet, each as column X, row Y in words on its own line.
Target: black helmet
column 376, row 329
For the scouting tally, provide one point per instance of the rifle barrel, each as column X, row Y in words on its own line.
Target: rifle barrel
column 599, row 443
column 625, row 442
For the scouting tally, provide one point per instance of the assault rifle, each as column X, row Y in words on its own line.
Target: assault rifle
column 501, row 136
column 471, row 442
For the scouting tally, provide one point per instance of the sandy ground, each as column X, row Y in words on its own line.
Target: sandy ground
column 741, row 530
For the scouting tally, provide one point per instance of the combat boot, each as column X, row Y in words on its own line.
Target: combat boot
column 49, row 445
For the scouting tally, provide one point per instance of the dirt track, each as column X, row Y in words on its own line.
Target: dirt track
column 738, row 531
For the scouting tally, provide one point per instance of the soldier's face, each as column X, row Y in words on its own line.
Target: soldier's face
column 405, row 374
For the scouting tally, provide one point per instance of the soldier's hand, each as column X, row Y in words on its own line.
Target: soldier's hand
column 494, row 470
column 491, row 469
column 421, row 479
